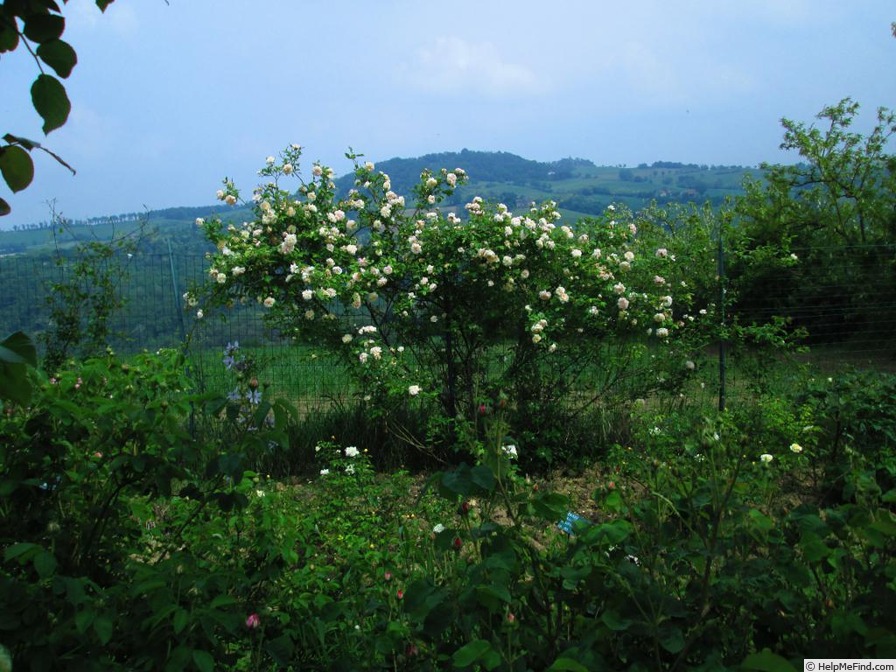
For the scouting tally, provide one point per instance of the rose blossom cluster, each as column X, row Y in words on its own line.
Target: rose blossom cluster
column 416, row 274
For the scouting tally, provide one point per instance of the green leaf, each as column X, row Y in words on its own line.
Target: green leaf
column 567, row 665
column 9, row 36
column 180, row 621
column 51, row 102
column 483, row 476
column 104, row 629
column 222, row 601
column 671, row 639
column 16, row 167
column 766, row 661
column 493, row 597
column 102, row 4
column 45, row 564
column 614, row 622
column 813, row 548
column 5, row 209
column 17, row 550
column 204, row 660
column 470, row 653
column 42, row 28
column 59, row 55
column 18, row 348
column 551, row 506
column 83, row 620
column 281, row 649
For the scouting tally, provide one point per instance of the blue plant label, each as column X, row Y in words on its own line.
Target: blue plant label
column 568, row 523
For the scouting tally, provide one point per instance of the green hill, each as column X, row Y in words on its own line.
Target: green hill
column 579, row 186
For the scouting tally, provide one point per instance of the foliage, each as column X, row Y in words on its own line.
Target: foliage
column 836, row 205
column 715, row 541
column 17, row 354
column 42, row 25
column 84, row 300
column 86, row 467
column 858, row 427
column 697, row 562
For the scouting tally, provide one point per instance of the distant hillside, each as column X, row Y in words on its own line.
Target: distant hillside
column 579, row 186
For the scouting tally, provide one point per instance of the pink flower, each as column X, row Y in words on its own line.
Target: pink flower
column 253, row 621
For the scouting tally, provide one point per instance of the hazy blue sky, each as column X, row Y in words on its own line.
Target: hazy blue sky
column 169, row 99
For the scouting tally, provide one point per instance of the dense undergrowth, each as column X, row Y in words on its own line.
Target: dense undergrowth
column 142, row 531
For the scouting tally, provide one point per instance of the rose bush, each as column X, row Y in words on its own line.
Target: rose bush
column 454, row 308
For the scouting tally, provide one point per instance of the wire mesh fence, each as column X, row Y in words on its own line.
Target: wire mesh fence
column 846, row 306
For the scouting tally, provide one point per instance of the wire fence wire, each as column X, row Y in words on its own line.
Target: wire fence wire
column 848, row 312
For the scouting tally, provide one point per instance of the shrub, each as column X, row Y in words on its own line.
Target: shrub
column 421, row 304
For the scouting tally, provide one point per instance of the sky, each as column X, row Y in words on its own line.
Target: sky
column 170, row 98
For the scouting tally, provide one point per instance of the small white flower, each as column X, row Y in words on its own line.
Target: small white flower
column 414, row 390
column 796, row 448
column 352, row 451
column 766, row 458
column 268, row 302
column 509, row 450
column 324, row 472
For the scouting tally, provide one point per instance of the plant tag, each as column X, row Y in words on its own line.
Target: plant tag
column 568, row 523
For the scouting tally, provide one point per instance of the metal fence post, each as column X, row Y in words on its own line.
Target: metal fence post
column 722, row 288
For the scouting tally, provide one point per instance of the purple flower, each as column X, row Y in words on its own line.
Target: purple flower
column 230, row 354
column 253, row 621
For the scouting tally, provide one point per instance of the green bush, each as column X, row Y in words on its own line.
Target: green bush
column 86, row 582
